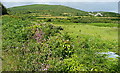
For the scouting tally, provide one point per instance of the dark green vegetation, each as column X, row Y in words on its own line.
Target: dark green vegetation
column 108, row 14
column 81, row 19
column 57, row 43
column 3, row 9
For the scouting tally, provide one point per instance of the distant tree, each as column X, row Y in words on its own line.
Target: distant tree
column 3, row 9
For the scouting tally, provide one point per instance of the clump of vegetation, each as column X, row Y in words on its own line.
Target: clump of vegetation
column 80, row 19
column 40, row 41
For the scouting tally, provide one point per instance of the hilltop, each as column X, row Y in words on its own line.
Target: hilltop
column 51, row 10
column 55, row 10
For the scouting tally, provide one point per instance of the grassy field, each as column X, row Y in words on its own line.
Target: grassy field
column 53, row 17
column 104, row 34
column 58, row 38
column 83, row 39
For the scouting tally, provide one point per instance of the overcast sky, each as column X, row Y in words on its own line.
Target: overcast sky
column 85, row 5
column 60, row 0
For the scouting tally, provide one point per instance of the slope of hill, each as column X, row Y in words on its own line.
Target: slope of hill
column 110, row 14
column 53, row 10
column 107, row 14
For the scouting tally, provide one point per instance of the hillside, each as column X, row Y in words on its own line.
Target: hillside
column 54, row 10
column 51, row 10
column 107, row 14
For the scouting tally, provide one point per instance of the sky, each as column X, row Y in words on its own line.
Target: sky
column 85, row 5
column 60, row 0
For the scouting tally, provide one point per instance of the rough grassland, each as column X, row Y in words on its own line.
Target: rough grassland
column 108, row 35
column 105, row 33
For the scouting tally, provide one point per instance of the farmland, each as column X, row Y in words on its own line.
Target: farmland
column 41, row 38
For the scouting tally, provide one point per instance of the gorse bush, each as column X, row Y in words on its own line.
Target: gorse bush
column 13, row 31
column 86, row 57
column 34, row 44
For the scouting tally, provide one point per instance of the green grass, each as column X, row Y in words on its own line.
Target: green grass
column 105, row 33
column 104, row 24
column 31, row 44
column 99, row 35
column 71, row 49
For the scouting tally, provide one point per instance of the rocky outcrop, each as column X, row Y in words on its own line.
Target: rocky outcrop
column 3, row 10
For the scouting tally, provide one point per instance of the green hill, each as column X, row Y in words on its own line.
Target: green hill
column 108, row 14
column 53, row 10
column 111, row 14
